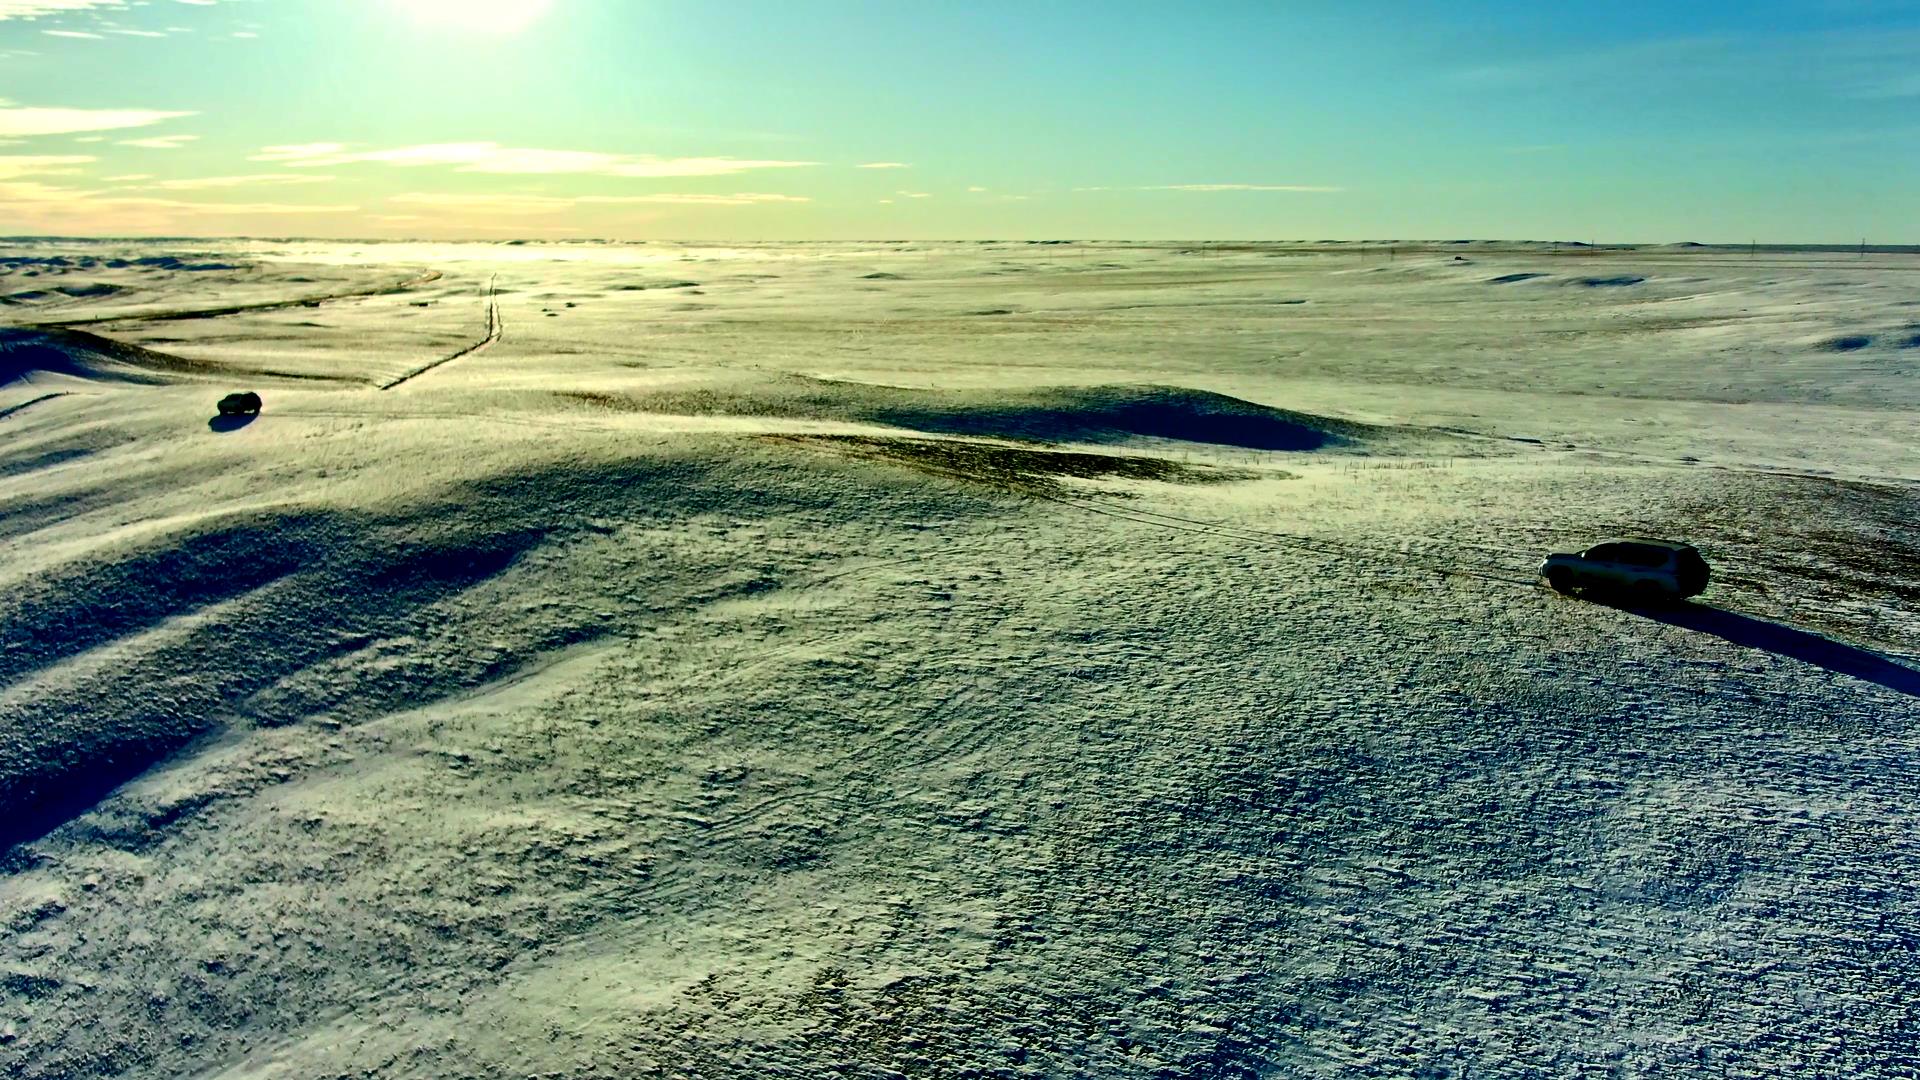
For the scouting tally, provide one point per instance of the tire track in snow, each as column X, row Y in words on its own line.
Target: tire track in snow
column 25, row 405
column 494, row 330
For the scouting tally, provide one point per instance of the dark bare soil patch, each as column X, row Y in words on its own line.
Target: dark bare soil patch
column 1822, row 554
column 1847, row 343
column 1097, row 414
column 1015, row 468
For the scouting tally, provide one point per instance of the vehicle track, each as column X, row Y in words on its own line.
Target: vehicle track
column 25, row 405
column 494, row 329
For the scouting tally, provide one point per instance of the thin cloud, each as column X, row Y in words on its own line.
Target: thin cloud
column 493, row 158
column 1315, row 188
column 28, row 122
column 916, row 194
column 41, row 165
column 33, row 9
column 1848, row 63
column 160, row 142
column 73, row 34
column 205, row 183
column 38, row 207
column 884, row 165
column 556, row 204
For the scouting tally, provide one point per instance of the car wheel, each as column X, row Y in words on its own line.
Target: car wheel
column 1560, row 579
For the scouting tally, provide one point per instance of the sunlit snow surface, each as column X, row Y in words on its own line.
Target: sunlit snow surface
column 967, row 660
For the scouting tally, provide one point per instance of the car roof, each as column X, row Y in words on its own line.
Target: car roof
column 1670, row 545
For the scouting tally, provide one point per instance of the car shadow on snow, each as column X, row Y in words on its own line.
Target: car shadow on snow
column 226, row 422
column 1822, row 652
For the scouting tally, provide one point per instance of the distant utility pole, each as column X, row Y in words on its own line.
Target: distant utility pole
column 1863, row 247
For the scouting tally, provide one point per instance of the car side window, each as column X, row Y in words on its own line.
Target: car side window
column 1603, row 552
column 1641, row 555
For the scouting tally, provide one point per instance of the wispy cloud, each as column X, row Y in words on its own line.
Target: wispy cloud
column 915, row 194
column 1846, row 63
column 32, row 206
column 1311, row 188
column 160, row 142
column 206, row 183
column 74, row 34
column 20, row 165
column 489, row 157
column 884, row 165
column 558, row 204
column 28, row 122
column 33, row 9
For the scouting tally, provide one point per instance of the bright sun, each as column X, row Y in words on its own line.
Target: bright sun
column 489, row 16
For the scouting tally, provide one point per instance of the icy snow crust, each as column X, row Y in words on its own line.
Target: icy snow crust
column 971, row 660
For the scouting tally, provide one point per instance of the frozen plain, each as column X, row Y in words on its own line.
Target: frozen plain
column 986, row 660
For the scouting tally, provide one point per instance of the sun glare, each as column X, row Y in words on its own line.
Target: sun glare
column 485, row 16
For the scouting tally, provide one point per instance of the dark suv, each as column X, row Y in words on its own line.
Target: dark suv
column 1634, row 567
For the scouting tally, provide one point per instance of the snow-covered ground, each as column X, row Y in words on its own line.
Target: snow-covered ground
column 970, row 660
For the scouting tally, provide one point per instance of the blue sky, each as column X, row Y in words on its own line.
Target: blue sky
column 1790, row 122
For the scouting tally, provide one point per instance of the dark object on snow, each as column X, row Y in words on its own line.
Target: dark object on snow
column 245, row 403
column 1645, row 571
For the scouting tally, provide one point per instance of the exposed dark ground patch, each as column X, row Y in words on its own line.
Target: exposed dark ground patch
column 1098, row 414
column 1015, row 468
